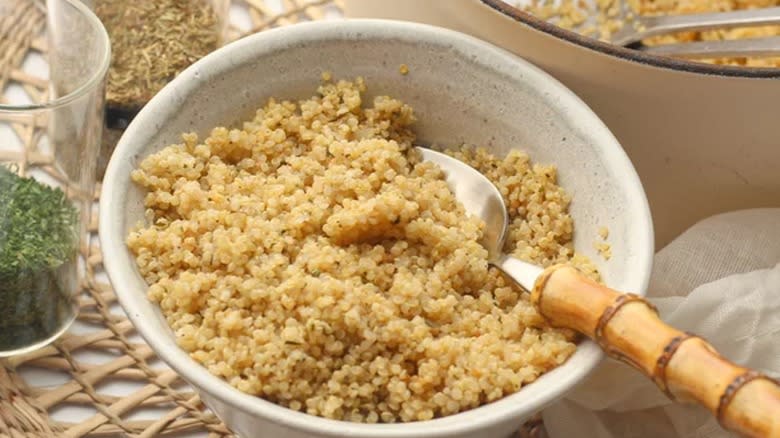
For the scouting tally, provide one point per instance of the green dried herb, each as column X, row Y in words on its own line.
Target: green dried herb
column 38, row 244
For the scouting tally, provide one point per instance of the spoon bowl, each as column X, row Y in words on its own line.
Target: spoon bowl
column 482, row 199
column 479, row 196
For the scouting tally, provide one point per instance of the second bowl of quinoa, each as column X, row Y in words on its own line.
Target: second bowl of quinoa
column 277, row 240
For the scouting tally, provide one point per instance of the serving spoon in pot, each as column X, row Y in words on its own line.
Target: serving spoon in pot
column 625, row 326
column 641, row 27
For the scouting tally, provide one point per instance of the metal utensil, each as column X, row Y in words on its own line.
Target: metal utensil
column 641, row 27
column 626, row 326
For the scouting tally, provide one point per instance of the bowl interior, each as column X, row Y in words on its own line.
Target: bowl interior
column 462, row 90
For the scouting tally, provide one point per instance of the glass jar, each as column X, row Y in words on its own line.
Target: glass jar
column 51, row 115
column 152, row 42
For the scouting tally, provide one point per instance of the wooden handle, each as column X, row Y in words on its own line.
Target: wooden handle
column 683, row 365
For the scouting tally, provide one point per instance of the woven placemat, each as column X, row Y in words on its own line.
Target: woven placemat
column 103, row 348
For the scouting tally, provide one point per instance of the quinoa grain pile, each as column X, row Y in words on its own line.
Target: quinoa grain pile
column 312, row 259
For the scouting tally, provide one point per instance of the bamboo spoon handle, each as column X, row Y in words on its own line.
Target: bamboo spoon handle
column 684, row 366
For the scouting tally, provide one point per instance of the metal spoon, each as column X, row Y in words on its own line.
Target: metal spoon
column 482, row 199
column 626, row 326
column 639, row 27
column 647, row 26
column 642, row 26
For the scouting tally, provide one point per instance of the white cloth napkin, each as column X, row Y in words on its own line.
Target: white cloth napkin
column 719, row 280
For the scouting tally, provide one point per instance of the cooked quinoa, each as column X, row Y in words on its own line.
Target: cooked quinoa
column 573, row 14
column 312, row 259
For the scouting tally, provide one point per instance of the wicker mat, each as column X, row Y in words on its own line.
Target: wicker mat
column 102, row 349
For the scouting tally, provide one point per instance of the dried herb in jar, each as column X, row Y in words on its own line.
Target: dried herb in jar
column 38, row 246
column 152, row 41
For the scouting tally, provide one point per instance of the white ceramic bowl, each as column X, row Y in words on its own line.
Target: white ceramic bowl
column 463, row 90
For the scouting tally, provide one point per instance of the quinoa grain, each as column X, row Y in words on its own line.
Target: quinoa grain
column 311, row 258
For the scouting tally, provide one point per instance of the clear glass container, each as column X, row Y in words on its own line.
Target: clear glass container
column 54, row 56
column 152, row 42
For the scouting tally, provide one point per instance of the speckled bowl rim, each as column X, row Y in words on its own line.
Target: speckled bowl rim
column 506, row 9
column 471, row 421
